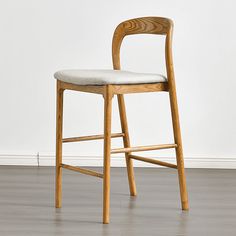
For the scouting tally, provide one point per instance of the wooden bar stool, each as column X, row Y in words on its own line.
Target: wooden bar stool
column 117, row 82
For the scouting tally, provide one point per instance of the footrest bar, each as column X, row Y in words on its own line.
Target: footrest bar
column 143, row 148
column 90, row 137
column 156, row 162
column 82, row 170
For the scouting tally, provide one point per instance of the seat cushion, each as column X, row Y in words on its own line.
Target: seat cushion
column 102, row 77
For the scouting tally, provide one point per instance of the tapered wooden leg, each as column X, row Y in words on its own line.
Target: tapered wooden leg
column 126, row 141
column 59, row 121
column 179, row 149
column 107, row 152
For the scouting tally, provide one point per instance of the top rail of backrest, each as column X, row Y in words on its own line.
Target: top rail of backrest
column 143, row 25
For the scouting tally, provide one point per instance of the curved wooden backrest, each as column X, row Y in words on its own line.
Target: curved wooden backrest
column 144, row 25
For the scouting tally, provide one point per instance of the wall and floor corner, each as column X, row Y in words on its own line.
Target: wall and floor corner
column 117, row 161
column 40, row 37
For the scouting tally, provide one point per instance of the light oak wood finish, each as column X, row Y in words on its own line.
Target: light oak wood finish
column 152, row 161
column 82, row 170
column 90, row 137
column 59, row 126
column 175, row 120
column 118, row 89
column 107, row 153
column 157, row 25
column 145, row 25
column 140, row 88
column 143, row 148
column 82, row 88
column 126, row 142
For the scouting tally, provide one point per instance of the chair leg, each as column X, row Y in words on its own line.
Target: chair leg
column 126, row 141
column 179, row 149
column 107, row 152
column 59, row 122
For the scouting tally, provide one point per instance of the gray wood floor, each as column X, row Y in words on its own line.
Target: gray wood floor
column 27, row 203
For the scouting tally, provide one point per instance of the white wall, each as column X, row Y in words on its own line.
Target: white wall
column 41, row 37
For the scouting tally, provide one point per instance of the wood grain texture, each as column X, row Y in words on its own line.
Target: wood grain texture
column 59, row 126
column 82, row 170
column 84, row 88
column 140, row 88
column 144, row 25
column 143, row 148
column 176, row 122
column 126, row 142
column 153, row 161
column 107, row 153
column 90, row 137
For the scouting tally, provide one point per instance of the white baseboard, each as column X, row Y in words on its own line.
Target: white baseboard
column 116, row 161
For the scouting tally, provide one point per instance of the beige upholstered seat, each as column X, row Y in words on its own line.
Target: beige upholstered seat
column 101, row 77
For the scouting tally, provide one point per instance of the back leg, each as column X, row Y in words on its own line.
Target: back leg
column 179, row 149
column 126, row 141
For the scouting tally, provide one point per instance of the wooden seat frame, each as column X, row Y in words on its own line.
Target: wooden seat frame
column 145, row 25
